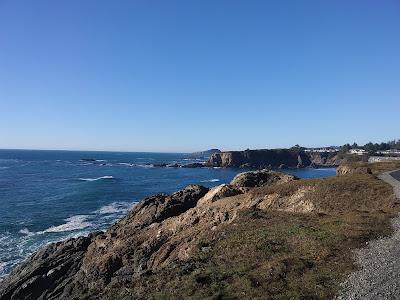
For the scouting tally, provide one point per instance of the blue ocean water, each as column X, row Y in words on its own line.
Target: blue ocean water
column 46, row 196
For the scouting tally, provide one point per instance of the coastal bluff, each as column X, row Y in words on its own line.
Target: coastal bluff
column 272, row 158
column 264, row 233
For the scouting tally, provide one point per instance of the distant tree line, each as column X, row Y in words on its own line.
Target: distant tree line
column 373, row 147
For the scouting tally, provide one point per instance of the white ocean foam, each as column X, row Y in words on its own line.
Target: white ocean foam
column 73, row 223
column 98, row 178
column 217, row 167
column 115, row 207
column 144, row 166
column 210, row 180
column 27, row 232
column 101, row 160
column 2, row 270
column 126, row 164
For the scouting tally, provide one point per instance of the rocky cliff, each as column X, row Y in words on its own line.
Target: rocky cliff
column 204, row 154
column 265, row 233
column 157, row 232
column 273, row 158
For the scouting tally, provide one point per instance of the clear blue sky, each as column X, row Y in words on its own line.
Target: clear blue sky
column 191, row 75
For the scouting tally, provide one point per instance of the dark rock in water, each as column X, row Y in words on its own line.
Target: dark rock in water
column 88, row 159
column 174, row 165
column 47, row 273
column 166, row 165
column 260, row 178
column 194, row 165
column 162, row 165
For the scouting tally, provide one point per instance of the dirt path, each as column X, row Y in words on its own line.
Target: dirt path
column 379, row 262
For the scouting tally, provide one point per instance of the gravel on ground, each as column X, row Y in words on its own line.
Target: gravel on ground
column 378, row 276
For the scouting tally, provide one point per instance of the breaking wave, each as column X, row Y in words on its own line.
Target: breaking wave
column 73, row 223
column 210, row 180
column 95, row 179
column 113, row 208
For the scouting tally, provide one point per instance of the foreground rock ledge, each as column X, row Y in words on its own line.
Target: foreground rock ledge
column 164, row 237
column 157, row 231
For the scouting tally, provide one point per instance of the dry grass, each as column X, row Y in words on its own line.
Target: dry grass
column 268, row 254
column 377, row 167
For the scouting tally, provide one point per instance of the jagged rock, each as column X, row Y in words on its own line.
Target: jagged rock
column 273, row 158
column 194, row 165
column 160, row 165
column 174, row 165
column 352, row 169
column 166, row 238
column 325, row 159
column 221, row 191
column 260, row 158
column 47, row 273
column 204, row 154
column 159, row 207
column 260, row 178
column 63, row 269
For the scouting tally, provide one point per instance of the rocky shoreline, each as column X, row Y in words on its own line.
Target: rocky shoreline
column 158, row 231
column 265, row 232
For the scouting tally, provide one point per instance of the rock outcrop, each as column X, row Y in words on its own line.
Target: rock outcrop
column 264, row 158
column 204, row 154
column 264, row 233
column 48, row 273
column 274, row 158
column 325, row 159
column 260, row 178
column 346, row 169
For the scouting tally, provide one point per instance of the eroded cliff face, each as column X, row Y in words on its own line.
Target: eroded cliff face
column 275, row 158
column 325, row 159
column 260, row 159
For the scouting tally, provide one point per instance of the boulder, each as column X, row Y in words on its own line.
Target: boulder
column 219, row 192
column 260, row 178
column 352, row 169
column 159, row 207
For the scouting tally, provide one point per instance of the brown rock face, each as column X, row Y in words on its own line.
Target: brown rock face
column 352, row 169
column 325, row 159
column 260, row 159
column 260, row 178
column 47, row 274
column 219, row 192
column 275, row 158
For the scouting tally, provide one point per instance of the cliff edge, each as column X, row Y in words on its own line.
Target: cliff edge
column 264, row 233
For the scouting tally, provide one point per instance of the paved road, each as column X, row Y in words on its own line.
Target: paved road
column 379, row 262
column 396, row 175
